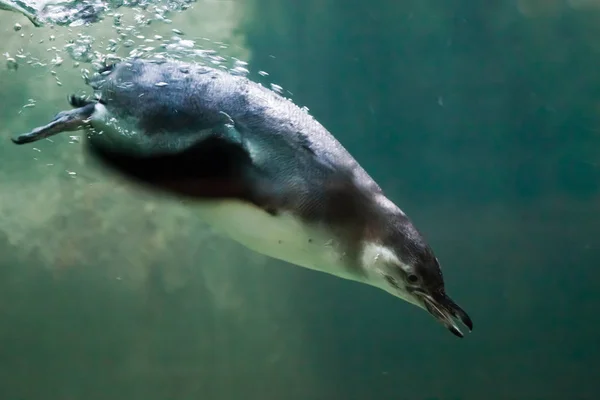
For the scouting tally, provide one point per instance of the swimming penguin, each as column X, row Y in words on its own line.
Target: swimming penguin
column 260, row 169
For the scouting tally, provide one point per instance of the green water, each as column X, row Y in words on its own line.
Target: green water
column 481, row 120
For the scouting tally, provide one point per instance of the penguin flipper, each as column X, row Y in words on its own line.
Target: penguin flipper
column 213, row 168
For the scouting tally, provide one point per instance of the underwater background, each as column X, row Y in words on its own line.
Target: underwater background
column 481, row 120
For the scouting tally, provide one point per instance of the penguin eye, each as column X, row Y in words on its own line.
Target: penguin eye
column 412, row 278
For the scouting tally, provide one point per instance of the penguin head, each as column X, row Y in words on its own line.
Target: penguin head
column 402, row 263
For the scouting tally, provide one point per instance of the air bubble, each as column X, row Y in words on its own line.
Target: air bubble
column 30, row 103
column 239, row 71
column 276, row 88
column 187, row 43
column 12, row 64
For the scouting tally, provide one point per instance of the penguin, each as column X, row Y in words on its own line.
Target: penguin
column 257, row 168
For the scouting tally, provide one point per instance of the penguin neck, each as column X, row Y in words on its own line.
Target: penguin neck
column 381, row 217
column 381, row 236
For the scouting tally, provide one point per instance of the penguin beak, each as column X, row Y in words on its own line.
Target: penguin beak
column 445, row 310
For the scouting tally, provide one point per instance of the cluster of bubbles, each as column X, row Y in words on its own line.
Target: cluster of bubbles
column 130, row 38
column 84, row 49
column 79, row 12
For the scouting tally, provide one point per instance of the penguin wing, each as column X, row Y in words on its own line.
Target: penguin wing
column 213, row 168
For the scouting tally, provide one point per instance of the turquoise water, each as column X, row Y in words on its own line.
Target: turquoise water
column 480, row 120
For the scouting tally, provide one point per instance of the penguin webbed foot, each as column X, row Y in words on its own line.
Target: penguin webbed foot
column 64, row 121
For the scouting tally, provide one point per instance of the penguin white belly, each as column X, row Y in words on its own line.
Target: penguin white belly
column 282, row 236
